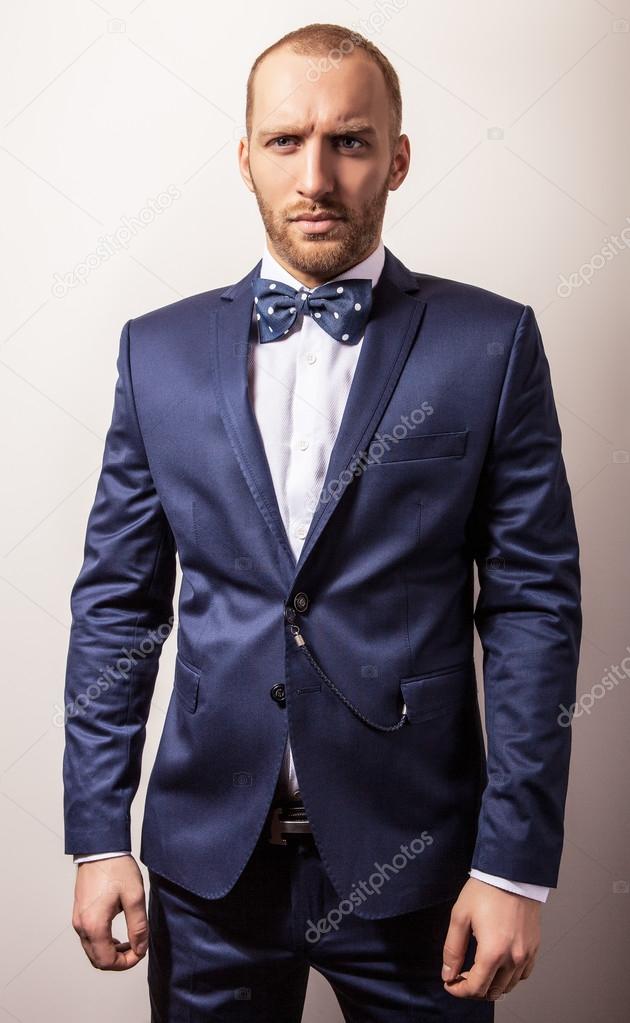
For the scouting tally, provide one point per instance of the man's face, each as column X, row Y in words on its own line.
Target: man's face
column 321, row 147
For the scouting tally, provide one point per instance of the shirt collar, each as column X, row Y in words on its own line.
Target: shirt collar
column 369, row 268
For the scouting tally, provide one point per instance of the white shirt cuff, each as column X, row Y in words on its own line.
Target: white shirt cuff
column 98, row 856
column 532, row 891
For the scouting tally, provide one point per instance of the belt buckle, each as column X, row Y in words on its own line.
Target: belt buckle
column 288, row 819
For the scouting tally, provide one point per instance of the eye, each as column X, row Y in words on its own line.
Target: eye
column 283, row 138
column 350, row 138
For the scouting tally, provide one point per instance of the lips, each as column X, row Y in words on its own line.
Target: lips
column 317, row 223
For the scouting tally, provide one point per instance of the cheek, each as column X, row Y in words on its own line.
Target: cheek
column 273, row 175
column 362, row 185
column 362, row 174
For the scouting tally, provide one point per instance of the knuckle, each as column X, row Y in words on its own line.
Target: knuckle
column 91, row 926
column 135, row 901
column 519, row 957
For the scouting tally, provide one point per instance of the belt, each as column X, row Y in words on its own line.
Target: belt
column 287, row 821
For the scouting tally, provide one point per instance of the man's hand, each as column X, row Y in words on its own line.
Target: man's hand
column 104, row 888
column 507, row 930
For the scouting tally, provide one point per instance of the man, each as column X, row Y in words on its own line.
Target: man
column 330, row 445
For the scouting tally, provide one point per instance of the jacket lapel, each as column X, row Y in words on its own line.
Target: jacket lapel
column 394, row 323
column 230, row 335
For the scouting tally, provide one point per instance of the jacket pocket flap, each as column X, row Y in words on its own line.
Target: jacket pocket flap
column 431, row 694
column 426, row 445
column 186, row 684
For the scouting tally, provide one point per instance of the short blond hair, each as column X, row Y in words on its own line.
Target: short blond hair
column 322, row 40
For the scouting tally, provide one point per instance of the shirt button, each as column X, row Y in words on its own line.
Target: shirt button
column 301, row 532
column 303, row 443
column 311, row 358
column 277, row 693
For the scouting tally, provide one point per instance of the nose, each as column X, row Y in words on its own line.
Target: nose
column 316, row 177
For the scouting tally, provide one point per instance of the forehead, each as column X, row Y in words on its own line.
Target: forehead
column 315, row 91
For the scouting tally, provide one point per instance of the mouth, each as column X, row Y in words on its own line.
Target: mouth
column 317, row 223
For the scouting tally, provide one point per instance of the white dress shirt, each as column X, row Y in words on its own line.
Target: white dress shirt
column 298, row 387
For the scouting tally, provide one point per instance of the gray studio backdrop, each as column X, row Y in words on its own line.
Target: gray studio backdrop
column 119, row 121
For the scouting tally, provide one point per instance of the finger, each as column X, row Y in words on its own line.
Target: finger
column 500, row 981
column 529, row 966
column 519, row 967
column 474, row 983
column 455, row 946
column 102, row 951
column 519, row 974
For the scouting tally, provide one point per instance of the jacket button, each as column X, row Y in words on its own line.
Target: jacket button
column 300, row 602
column 277, row 693
column 289, row 614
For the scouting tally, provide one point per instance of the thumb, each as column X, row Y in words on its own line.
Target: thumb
column 137, row 923
column 455, row 945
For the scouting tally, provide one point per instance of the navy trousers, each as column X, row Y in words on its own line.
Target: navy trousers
column 246, row 957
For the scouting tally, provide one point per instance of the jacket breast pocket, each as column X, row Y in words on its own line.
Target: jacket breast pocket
column 186, row 684
column 425, row 445
column 435, row 693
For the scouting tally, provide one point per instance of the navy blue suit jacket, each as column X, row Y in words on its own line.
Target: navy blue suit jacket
column 448, row 455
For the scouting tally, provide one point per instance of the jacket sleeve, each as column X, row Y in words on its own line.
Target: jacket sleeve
column 122, row 611
column 528, row 616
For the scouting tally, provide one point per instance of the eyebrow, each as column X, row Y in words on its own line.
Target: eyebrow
column 348, row 128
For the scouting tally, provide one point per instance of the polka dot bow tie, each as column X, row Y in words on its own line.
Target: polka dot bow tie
column 340, row 307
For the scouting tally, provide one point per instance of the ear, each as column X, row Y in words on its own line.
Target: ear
column 243, row 162
column 400, row 163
